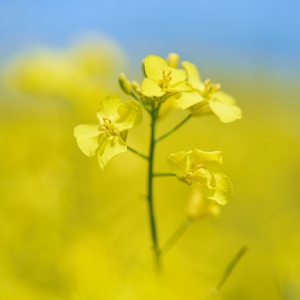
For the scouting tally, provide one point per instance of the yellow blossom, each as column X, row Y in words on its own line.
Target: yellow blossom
column 106, row 139
column 203, row 168
column 206, row 96
column 162, row 80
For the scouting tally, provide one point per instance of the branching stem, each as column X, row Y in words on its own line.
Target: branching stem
column 141, row 103
column 172, row 130
column 138, row 153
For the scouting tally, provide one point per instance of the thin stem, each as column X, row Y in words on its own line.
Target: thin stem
column 142, row 104
column 138, row 153
column 163, row 174
column 175, row 128
column 154, row 113
column 175, row 237
column 232, row 265
column 229, row 269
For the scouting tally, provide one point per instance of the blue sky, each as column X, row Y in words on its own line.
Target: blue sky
column 265, row 31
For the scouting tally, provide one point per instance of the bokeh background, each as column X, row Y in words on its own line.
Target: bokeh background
column 71, row 231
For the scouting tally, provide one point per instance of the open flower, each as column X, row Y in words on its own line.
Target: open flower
column 106, row 139
column 206, row 96
column 162, row 79
column 203, row 168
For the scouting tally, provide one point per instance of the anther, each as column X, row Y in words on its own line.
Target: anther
column 207, row 82
column 217, row 86
column 106, row 119
column 189, row 174
column 200, row 166
column 103, row 128
column 167, row 73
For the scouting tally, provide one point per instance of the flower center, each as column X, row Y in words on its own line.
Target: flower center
column 166, row 78
column 189, row 174
column 210, row 88
column 107, row 127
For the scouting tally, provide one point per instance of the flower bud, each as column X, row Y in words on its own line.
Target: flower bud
column 200, row 207
column 136, row 87
column 172, row 60
column 125, row 84
column 196, row 207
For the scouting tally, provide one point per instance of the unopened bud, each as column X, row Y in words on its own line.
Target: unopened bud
column 172, row 60
column 136, row 87
column 200, row 207
column 125, row 84
column 196, row 208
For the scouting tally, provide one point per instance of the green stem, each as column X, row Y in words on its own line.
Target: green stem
column 229, row 269
column 141, row 103
column 163, row 174
column 175, row 128
column 154, row 113
column 138, row 153
column 175, row 237
column 231, row 266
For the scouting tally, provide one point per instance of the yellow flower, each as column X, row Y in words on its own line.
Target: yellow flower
column 107, row 138
column 205, row 97
column 162, row 80
column 203, row 168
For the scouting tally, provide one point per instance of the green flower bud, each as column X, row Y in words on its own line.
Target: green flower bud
column 125, row 84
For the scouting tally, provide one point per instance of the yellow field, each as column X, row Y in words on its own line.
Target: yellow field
column 72, row 231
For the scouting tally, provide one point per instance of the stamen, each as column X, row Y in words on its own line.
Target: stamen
column 207, row 82
column 103, row 128
column 189, row 174
column 166, row 78
column 167, row 73
column 217, row 86
column 200, row 166
column 106, row 119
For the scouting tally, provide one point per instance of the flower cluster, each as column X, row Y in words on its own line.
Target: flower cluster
column 165, row 87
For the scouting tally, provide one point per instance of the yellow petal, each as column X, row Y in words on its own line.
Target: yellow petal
column 108, row 108
column 200, row 108
column 202, row 177
column 202, row 157
column 193, row 75
column 112, row 146
column 180, row 86
column 224, row 97
column 187, row 99
column 150, row 88
column 166, row 107
column 87, row 137
column 154, row 66
column 177, row 75
column 129, row 115
column 178, row 163
column 225, row 109
column 223, row 190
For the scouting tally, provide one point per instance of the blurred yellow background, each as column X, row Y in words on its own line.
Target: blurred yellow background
column 72, row 231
